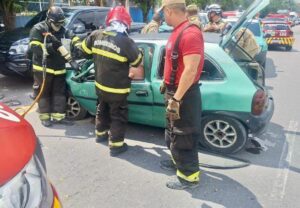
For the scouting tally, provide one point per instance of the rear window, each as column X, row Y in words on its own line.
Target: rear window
column 276, row 27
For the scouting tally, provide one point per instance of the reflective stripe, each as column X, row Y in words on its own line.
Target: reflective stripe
column 137, row 60
column 75, row 39
column 173, row 160
column 50, row 71
column 191, row 178
column 115, row 144
column 56, row 203
column 35, row 42
column 44, row 116
column 101, row 133
column 109, row 33
column 85, row 48
column 58, row 116
column 112, row 90
column 109, row 55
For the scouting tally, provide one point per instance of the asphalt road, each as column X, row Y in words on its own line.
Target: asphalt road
column 86, row 176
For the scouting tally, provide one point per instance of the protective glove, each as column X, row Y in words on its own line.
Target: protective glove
column 55, row 42
column 75, row 66
column 173, row 109
column 162, row 88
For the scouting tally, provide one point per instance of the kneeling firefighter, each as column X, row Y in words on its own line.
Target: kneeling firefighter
column 45, row 37
column 113, row 53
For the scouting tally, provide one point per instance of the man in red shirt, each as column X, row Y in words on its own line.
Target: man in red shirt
column 182, row 95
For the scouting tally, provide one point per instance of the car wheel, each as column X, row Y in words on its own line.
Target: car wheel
column 288, row 48
column 74, row 110
column 222, row 134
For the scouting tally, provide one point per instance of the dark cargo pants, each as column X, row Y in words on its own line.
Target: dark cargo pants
column 182, row 135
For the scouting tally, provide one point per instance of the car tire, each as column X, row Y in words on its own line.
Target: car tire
column 214, row 130
column 288, row 48
column 74, row 110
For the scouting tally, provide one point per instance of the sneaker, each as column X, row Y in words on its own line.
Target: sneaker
column 46, row 123
column 181, row 184
column 167, row 165
column 102, row 138
column 115, row 151
column 64, row 121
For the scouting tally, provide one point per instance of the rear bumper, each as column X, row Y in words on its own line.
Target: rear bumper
column 257, row 124
column 281, row 41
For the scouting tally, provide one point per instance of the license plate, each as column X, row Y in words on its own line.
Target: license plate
column 275, row 41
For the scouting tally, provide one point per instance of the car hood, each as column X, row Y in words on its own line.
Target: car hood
column 252, row 10
column 9, row 37
column 17, row 143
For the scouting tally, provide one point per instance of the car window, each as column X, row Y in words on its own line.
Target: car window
column 99, row 19
column 210, row 72
column 276, row 27
column 36, row 19
column 148, row 51
column 87, row 19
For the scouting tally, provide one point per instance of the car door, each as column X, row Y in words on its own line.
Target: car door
column 140, row 99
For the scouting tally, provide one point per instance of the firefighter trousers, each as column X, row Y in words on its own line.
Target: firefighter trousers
column 112, row 116
column 53, row 99
column 182, row 135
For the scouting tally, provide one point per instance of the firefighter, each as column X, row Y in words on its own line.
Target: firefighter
column 216, row 23
column 153, row 26
column 183, row 66
column 192, row 15
column 52, row 103
column 113, row 53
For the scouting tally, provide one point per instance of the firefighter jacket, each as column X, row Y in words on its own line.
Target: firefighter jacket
column 247, row 41
column 113, row 54
column 55, row 62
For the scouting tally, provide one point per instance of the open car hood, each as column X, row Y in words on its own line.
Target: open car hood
column 251, row 11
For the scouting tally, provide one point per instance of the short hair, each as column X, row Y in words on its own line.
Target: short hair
column 179, row 7
column 192, row 9
column 156, row 17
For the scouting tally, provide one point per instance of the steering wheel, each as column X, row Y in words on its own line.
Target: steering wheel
column 87, row 66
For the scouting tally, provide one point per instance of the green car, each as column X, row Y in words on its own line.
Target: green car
column 234, row 103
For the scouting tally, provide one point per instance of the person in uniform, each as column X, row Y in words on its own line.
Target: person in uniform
column 216, row 23
column 153, row 26
column 52, row 104
column 183, row 66
column 113, row 53
column 193, row 16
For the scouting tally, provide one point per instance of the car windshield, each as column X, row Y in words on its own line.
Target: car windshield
column 42, row 16
column 276, row 27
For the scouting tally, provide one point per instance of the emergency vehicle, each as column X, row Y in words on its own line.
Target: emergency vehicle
column 279, row 34
column 23, row 180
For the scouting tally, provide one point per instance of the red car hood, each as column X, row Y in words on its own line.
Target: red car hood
column 17, row 143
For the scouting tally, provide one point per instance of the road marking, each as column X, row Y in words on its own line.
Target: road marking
column 21, row 109
column 279, row 186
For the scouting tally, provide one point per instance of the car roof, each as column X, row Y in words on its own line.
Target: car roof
column 162, row 37
column 87, row 8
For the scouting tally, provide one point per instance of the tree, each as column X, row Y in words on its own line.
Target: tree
column 7, row 7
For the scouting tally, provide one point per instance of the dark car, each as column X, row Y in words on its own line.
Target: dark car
column 82, row 20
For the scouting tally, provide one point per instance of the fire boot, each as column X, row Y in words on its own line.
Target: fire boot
column 181, row 184
column 63, row 121
column 115, row 151
column 101, row 136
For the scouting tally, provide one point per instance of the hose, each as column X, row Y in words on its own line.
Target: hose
column 44, row 63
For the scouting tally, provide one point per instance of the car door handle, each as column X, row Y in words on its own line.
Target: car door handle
column 142, row 93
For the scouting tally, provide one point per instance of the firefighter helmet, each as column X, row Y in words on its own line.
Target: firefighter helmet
column 55, row 15
column 119, row 13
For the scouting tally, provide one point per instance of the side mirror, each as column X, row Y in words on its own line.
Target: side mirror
column 79, row 29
